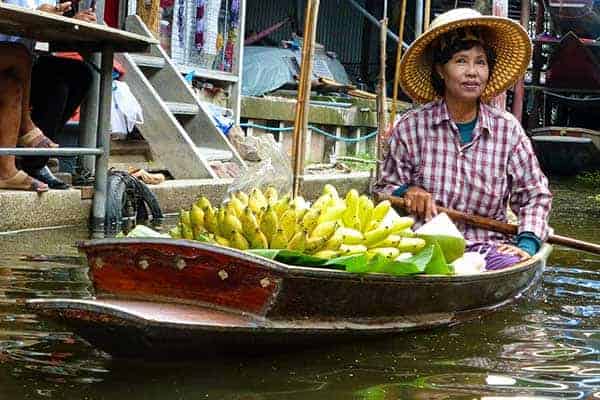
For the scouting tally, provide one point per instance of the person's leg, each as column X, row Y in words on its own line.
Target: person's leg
column 11, row 98
column 49, row 96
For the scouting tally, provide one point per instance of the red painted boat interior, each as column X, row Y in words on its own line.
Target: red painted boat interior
column 182, row 274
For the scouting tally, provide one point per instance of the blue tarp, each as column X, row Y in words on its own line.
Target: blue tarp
column 268, row 68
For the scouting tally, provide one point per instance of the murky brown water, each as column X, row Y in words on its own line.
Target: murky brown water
column 546, row 346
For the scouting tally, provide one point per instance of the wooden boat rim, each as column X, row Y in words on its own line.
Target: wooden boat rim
column 543, row 253
column 544, row 129
column 561, row 139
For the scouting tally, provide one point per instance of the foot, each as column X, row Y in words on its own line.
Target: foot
column 22, row 181
column 35, row 138
column 45, row 175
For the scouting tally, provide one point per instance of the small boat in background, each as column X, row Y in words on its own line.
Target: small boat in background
column 567, row 151
column 165, row 297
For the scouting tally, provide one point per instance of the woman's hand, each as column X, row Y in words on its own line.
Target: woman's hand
column 88, row 15
column 58, row 9
column 419, row 202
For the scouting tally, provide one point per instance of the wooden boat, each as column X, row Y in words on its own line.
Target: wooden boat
column 176, row 297
column 567, row 151
column 574, row 64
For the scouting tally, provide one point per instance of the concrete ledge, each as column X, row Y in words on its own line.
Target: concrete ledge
column 24, row 210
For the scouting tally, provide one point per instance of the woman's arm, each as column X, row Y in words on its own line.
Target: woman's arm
column 530, row 197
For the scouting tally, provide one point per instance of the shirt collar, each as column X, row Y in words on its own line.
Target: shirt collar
column 441, row 114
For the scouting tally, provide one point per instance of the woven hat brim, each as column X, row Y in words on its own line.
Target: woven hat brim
column 508, row 39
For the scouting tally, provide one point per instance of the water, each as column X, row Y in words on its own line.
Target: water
column 544, row 347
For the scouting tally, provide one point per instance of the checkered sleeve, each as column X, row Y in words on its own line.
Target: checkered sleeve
column 531, row 198
column 397, row 167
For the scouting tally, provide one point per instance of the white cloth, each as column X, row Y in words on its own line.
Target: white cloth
column 125, row 110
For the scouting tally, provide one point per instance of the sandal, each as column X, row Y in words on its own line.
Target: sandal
column 35, row 138
column 22, row 181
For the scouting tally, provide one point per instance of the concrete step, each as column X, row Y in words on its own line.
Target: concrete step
column 215, row 154
column 148, row 61
column 182, row 108
column 129, row 147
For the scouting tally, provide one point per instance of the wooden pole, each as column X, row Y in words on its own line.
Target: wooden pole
column 500, row 9
column 426, row 15
column 381, row 95
column 517, row 106
column 398, row 58
column 302, row 103
column 497, row 226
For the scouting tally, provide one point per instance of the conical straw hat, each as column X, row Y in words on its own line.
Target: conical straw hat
column 506, row 37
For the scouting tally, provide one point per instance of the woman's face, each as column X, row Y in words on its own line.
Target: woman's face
column 465, row 75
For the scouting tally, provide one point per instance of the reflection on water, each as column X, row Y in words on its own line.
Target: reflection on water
column 545, row 347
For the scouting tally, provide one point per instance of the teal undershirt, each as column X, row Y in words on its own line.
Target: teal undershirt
column 466, row 131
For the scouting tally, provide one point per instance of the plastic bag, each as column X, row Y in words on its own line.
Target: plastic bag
column 274, row 169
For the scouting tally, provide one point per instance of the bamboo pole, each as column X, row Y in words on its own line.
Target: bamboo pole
column 381, row 95
column 426, row 15
column 302, row 103
column 398, row 58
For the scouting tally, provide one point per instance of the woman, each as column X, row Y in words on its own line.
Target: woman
column 456, row 150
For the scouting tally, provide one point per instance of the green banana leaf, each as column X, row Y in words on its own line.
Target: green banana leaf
column 430, row 260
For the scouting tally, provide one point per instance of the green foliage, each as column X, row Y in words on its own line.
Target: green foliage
column 589, row 179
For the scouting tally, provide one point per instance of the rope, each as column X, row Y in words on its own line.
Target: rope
column 312, row 128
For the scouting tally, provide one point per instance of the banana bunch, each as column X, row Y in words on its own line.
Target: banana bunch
column 331, row 227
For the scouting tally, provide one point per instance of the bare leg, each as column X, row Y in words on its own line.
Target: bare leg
column 11, row 98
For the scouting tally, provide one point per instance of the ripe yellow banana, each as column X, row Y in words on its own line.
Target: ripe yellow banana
column 241, row 196
column 210, row 220
column 257, row 200
column 271, row 195
column 197, row 220
column 411, row 245
column 325, row 229
column 222, row 241
column 221, row 223
column 269, row 223
column 349, row 249
column 298, row 241
column 282, row 205
column 377, row 235
column 392, row 240
column 333, row 213
column 187, row 232
column 402, row 223
column 350, row 236
column 239, row 241
column 381, row 210
column 310, row 219
column 365, row 212
column 203, row 203
column 184, row 217
column 387, row 252
column 232, row 223
column 331, row 190
column 288, row 222
column 328, row 254
column 249, row 222
column 314, row 244
column 333, row 243
column 258, row 240
column 323, row 201
column 175, row 232
column 237, row 205
column 279, row 240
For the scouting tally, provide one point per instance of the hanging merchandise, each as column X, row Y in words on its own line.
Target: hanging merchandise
column 200, row 20
column 232, row 36
column 181, row 22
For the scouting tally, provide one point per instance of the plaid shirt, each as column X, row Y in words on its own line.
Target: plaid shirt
column 482, row 177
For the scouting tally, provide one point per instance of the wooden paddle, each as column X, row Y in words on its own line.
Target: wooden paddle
column 497, row 226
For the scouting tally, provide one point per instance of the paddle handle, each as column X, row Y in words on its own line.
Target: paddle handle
column 497, row 226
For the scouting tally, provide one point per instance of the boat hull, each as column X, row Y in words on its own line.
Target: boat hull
column 567, row 151
column 296, row 306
